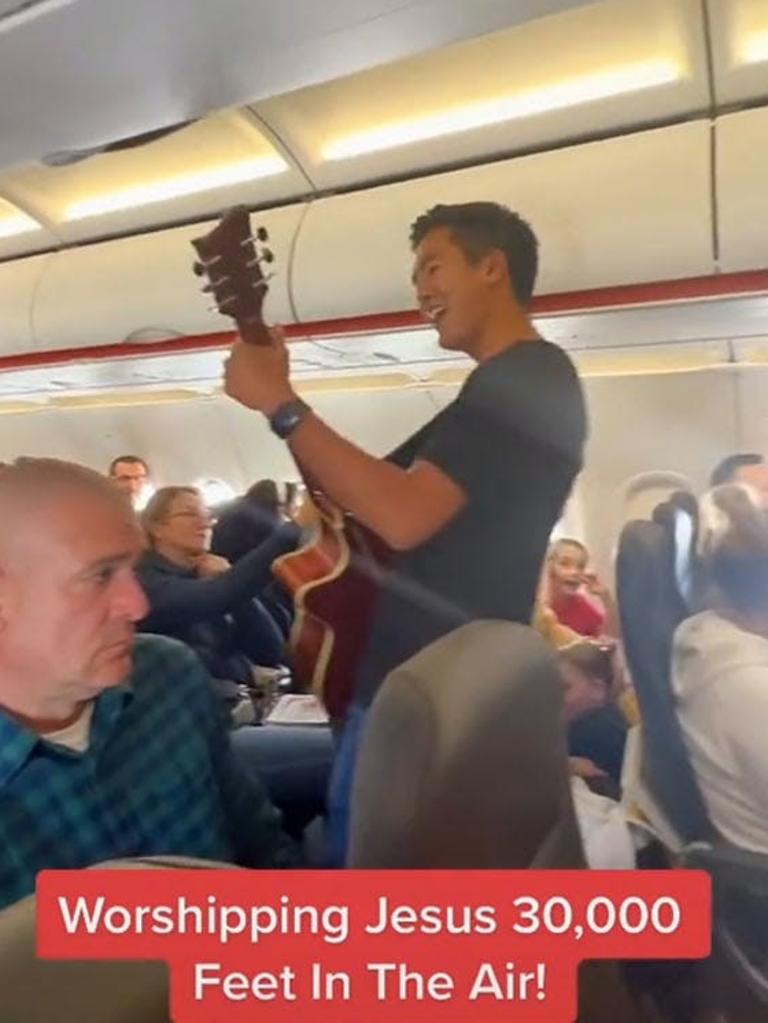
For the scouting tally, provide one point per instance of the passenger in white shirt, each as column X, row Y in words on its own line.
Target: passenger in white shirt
column 720, row 674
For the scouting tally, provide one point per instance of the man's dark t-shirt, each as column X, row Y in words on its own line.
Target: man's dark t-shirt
column 513, row 441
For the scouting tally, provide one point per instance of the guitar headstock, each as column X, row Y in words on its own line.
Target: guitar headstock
column 232, row 260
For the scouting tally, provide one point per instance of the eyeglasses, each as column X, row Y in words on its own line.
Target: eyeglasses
column 203, row 517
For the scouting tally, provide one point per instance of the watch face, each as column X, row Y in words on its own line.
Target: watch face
column 288, row 418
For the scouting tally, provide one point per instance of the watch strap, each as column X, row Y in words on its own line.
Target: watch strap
column 287, row 417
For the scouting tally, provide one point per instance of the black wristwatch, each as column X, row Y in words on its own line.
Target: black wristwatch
column 285, row 420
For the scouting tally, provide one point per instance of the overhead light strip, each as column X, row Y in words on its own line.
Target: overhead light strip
column 17, row 223
column 569, row 93
column 755, row 48
column 174, row 188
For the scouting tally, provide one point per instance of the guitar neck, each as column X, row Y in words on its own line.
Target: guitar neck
column 253, row 332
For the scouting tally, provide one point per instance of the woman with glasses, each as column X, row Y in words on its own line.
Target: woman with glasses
column 197, row 597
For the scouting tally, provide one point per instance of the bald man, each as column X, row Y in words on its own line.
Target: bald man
column 111, row 745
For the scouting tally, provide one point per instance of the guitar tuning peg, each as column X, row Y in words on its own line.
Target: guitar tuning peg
column 261, row 236
column 201, row 266
column 263, row 282
column 267, row 256
column 212, row 285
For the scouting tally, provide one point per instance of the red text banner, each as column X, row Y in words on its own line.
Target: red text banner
column 373, row 945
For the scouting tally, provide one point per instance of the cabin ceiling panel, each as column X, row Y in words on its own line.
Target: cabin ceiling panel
column 739, row 31
column 20, row 233
column 599, row 68
column 82, row 73
column 10, row 6
column 196, row 172
column 595, row 69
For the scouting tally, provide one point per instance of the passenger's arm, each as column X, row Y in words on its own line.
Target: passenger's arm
column 173, row 600
column 258, row 635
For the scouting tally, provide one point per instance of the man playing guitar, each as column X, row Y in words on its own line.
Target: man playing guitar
column 468, row 504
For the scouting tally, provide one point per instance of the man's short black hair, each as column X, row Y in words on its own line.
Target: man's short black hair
column 738, row 559
column 479, row 227
column 725, row 471
column 130, row 459
column 264, row 493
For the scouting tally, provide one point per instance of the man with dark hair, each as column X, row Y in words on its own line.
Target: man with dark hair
column 247, row 522
column 749, row 469
column 469, row 502
column 729, row 470
column 130, row 473
column 480, row 226
column 720, row 674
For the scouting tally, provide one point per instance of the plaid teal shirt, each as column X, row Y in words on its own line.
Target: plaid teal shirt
column 157, row 778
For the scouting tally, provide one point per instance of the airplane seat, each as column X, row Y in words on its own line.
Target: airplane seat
column 679, row 515
column 452, row 740
column 642, row 493
column 36, row 990
column 738, row 969
column 463, row 765
column 660, row 583
column 656, row 577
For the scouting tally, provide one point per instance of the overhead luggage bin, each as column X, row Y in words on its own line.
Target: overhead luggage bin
column 143, row 288
column 619, row 211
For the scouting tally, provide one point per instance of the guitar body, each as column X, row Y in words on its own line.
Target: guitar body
column 335, row 581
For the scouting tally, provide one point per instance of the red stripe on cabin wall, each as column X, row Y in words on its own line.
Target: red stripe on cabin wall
column 749, row 282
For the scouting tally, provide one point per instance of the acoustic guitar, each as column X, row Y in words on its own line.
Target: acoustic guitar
column 335, row 578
